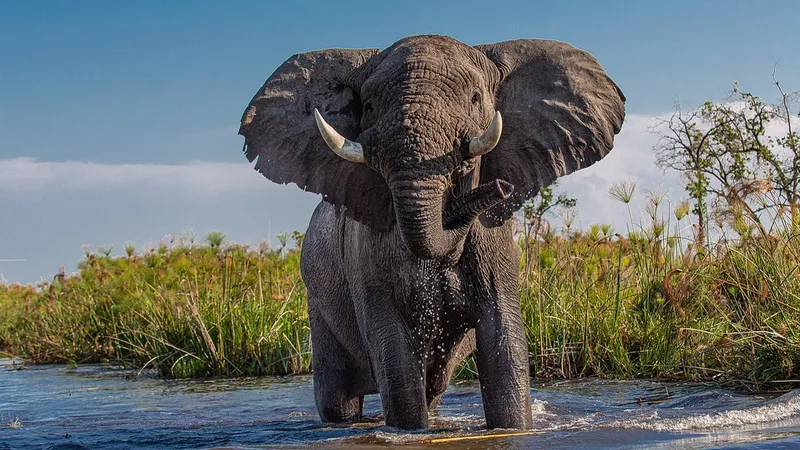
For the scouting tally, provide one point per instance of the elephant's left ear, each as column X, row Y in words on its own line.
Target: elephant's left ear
column 281, row 135
column 561, row 112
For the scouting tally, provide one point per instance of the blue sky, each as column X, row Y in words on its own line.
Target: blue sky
column 118, row 120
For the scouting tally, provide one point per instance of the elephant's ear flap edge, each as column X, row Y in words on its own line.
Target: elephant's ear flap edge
column 561, row 112
column 281, row 135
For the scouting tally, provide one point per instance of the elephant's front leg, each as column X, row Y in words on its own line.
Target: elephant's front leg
column 503, row 365
column 399, row 372
column 502, row 350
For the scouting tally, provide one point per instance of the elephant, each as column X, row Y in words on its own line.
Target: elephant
column 422, row 153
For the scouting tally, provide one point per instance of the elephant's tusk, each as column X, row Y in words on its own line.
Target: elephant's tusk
column 347, row 149
column 484, row 143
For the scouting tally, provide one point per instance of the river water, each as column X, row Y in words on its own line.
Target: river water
column 94, row 407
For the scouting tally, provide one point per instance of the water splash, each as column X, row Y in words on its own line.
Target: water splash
column 780, row 409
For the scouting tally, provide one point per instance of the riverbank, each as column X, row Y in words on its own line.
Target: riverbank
column 594, row 303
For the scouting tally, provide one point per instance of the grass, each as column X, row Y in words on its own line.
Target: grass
column 187, row 311
column 655, row 304
column 628, row 308
column 647, row 304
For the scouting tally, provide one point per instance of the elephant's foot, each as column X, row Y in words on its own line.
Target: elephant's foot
column 338, row 410
column 402, row 388
column 456, row 346
column 408, row 417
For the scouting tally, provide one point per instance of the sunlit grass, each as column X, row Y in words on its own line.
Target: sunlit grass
column 654, row 304
column 185, row 311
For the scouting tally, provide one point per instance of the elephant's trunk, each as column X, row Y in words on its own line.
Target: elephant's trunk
column 465, row 209
column 428, row 231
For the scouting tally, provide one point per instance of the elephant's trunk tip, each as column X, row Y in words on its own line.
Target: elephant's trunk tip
column 466, row 208
column 504, row 188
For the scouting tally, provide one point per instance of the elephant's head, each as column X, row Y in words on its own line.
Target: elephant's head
column 432, row 133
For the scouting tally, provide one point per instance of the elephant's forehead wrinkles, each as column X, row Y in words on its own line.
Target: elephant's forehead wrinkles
column 436, row 89
column 422, row 127
column 431, row 108
column 456, row 77
column 421, row 76
column 423, row 108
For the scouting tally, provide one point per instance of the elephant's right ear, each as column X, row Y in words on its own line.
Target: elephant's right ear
column 560, row 113
column 280, row 133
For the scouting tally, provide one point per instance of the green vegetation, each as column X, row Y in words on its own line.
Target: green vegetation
column 655, row 304
column 740, row 157
column 186, row 310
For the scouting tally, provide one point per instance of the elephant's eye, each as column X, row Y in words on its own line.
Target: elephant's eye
column 476, row 98
column 367, row 115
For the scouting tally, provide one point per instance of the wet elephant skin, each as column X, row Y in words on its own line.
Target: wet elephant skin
column 410, row 261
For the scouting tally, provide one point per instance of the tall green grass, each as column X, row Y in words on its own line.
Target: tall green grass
column 187, row 311
column 620, row 307
column 645, row 303
column 654, row 303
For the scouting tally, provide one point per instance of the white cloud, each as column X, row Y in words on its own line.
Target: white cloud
column 26, row 175
column 631, row 159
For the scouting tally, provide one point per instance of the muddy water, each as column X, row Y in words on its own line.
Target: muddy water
column 94, row 407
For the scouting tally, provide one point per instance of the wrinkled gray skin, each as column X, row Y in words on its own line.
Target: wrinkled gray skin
column 412, row 250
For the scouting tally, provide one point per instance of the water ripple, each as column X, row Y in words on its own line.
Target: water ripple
column 57, row 407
